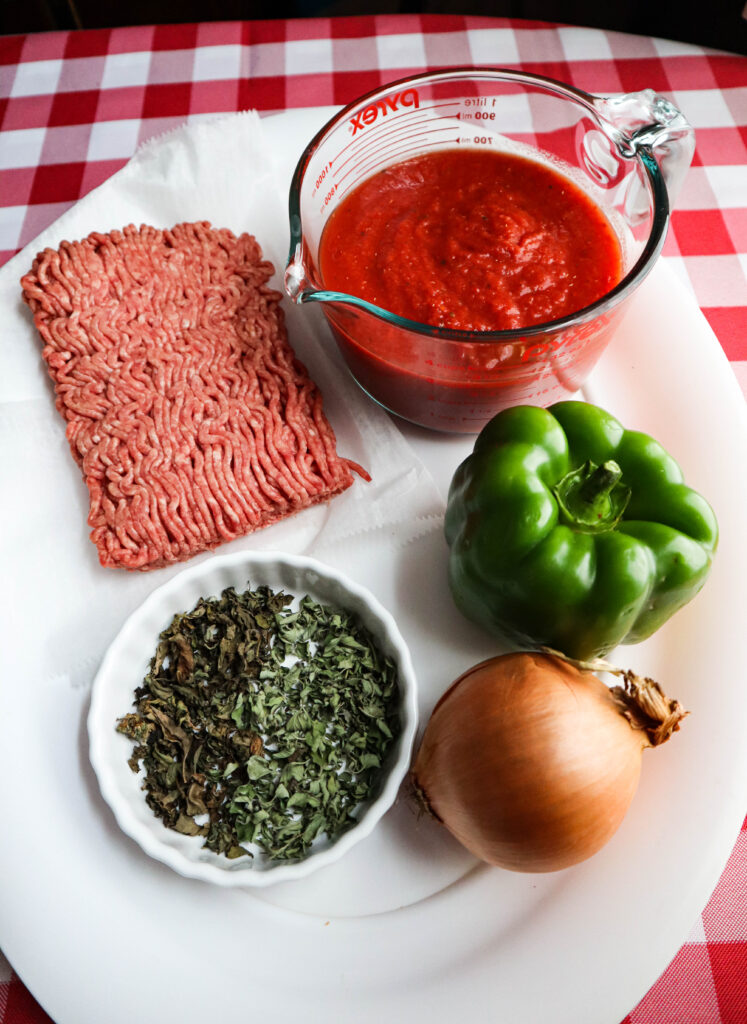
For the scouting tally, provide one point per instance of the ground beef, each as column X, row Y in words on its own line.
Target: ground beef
column 189, row 415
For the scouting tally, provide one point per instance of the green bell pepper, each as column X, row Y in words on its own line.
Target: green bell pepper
column 568, row 531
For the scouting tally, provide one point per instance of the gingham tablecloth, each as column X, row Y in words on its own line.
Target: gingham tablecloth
column 74, row 106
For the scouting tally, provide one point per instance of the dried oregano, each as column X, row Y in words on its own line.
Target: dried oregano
column 260, row 724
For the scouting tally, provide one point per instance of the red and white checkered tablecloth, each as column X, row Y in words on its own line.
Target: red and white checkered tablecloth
column 74, row 106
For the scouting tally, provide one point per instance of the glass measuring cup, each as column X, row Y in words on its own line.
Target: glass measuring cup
column 628, row 152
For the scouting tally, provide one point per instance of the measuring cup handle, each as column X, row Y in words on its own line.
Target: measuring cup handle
column 639, row 122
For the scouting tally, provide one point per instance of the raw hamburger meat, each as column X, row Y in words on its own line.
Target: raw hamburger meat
column 186, row 409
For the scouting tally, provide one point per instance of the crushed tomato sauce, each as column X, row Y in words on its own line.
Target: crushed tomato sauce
column 472, row 240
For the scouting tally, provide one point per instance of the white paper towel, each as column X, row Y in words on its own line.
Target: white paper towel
column 63, row 608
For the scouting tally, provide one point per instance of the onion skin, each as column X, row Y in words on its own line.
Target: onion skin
column 530, row 762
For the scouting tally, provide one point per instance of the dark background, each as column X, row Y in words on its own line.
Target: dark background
column 716, row 23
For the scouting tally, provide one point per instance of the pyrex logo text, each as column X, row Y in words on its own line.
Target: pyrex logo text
column 408, row 98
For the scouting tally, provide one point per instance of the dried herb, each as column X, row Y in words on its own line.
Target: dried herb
column 261, row 724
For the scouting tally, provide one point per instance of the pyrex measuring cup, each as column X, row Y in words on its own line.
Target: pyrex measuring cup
column 628, row 152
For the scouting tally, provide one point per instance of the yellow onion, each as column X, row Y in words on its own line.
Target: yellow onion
column 531, row 762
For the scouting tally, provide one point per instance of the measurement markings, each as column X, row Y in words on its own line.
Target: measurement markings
column 384, row 125
column 388, row 132
column 385, row 144
column 405, row 152
column 378, row 139
column 328, row 198
column 374, row 130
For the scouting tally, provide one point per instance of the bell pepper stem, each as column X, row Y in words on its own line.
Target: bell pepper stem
column 592, row 498
column 600, row 482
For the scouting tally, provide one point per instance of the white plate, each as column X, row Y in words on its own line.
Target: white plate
column 101, row 933
column 126, row 663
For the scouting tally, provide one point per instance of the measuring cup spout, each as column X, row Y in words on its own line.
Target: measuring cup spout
column 646, row 124
column 296, row 280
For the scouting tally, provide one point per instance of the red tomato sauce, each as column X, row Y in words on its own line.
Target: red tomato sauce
column 471, row 239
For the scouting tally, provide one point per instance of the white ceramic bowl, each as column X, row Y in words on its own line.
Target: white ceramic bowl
column 126, row 664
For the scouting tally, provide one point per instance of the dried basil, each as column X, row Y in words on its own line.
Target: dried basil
column 260, row 724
